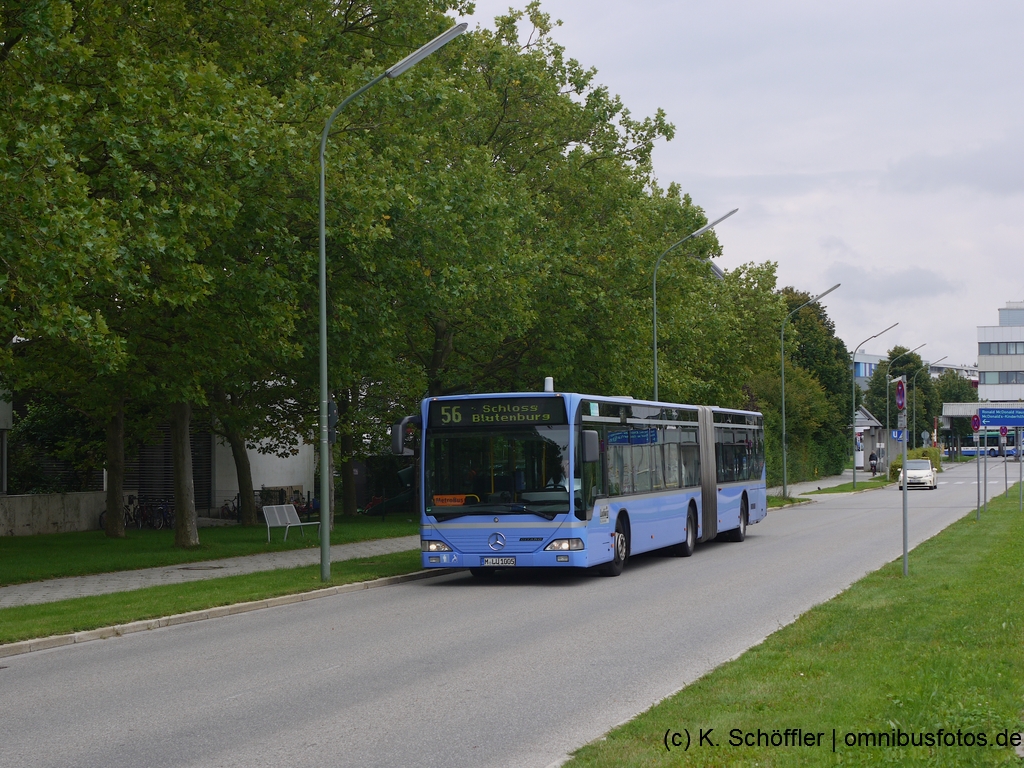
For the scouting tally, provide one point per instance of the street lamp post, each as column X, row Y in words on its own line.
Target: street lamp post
column 853, row 396
column 888, row 381
column 782, row 354
column 914, row 381
column 654, row 287
column 392, row 72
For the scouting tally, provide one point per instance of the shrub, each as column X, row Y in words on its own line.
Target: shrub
column 933, row 454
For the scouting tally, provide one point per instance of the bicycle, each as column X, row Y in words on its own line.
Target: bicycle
column 152, row 513
column 165, row 513
column 131, row 511
column 230, row 509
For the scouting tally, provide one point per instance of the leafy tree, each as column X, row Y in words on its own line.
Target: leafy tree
column 808, row 412
column 951, row 387
column 811, row 343
column 902, row 365
column 47, row 429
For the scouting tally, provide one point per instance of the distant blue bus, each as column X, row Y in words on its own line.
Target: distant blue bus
column 549, row 479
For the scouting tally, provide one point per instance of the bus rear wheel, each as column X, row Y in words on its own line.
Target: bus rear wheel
column 620, row 550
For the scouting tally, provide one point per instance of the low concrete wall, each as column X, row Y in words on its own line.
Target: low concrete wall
column 51, row 513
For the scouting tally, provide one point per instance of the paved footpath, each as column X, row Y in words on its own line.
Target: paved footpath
column 48, row 591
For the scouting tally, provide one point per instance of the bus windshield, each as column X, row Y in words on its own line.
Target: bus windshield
column 506, row 470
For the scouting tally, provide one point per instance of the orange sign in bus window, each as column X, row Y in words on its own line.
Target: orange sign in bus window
column 449, row 499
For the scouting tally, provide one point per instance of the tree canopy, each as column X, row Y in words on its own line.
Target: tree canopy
column 493, row 218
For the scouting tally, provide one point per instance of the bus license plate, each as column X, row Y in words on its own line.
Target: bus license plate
column 498, row 561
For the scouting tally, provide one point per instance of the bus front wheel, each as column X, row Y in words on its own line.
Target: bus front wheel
column 620, row 550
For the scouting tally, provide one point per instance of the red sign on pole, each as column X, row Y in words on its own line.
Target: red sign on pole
column 901, row 395
column 1003, row 431
column 975, row 422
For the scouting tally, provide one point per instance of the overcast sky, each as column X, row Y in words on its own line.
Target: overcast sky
column 880, row 145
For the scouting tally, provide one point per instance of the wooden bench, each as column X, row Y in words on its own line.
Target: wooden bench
column 284, row 516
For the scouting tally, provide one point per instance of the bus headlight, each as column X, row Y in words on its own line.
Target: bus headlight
column 430, row 545
column 564, row 545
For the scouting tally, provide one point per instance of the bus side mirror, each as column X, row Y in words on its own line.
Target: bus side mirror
column 398, row 435
column 591, row 445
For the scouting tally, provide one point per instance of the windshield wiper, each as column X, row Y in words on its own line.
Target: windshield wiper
column 514, row 508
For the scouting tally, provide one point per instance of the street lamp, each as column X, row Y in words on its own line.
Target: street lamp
column 654, row 287
column 392, row 72
column 853, row 396
column 914, row 380
column 888, row 381
column 782, row 346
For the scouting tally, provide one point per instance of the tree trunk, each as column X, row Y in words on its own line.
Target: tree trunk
column 115, row 472
column 243, row 469
column 330, row 474
column 346, row 447
column 443, row 346
column 346, row 451
column 186, row 532
column 247, row 501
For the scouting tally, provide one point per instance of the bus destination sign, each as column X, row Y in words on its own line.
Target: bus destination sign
column 497, row 411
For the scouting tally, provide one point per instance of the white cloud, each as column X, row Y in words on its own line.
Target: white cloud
column 876, row 144
column 996, row 169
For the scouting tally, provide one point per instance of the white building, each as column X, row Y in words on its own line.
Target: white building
column 1001, row 356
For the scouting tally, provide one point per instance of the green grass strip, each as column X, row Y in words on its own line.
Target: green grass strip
column 862, row 485
column 890, row 658
column 59, row 555
column 65, row 616
column 777, row 502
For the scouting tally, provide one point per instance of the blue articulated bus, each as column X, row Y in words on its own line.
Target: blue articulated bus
column 563, row 480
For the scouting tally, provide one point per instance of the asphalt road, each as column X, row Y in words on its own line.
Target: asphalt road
column 451, row 671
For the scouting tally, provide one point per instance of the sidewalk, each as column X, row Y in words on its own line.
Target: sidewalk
column 51, row 590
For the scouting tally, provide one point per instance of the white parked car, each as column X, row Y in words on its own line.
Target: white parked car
column 919, row 473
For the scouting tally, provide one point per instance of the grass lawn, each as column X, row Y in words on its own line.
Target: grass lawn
column 890, row 658
column 862, row 485
column 66, row 616
column 56, row 555
column 788, row 501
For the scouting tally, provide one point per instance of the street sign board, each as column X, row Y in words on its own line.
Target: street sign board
column 901, row 420
column 975, row 422
column 1001, row 417
column 1003, row 431
column 897, row 435
column 901, row 395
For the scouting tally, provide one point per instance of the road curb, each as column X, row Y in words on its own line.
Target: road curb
column 104, row 633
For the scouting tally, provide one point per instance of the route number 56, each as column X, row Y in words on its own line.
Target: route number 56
column 450, row 414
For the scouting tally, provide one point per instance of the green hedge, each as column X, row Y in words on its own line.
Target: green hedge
column 934, row 454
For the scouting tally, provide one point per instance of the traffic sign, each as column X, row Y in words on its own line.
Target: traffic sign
column 975, row 422
column 901, row 395
column 897, row 435
column 1003, row 431
column 901, row 420
column 1001, row 417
